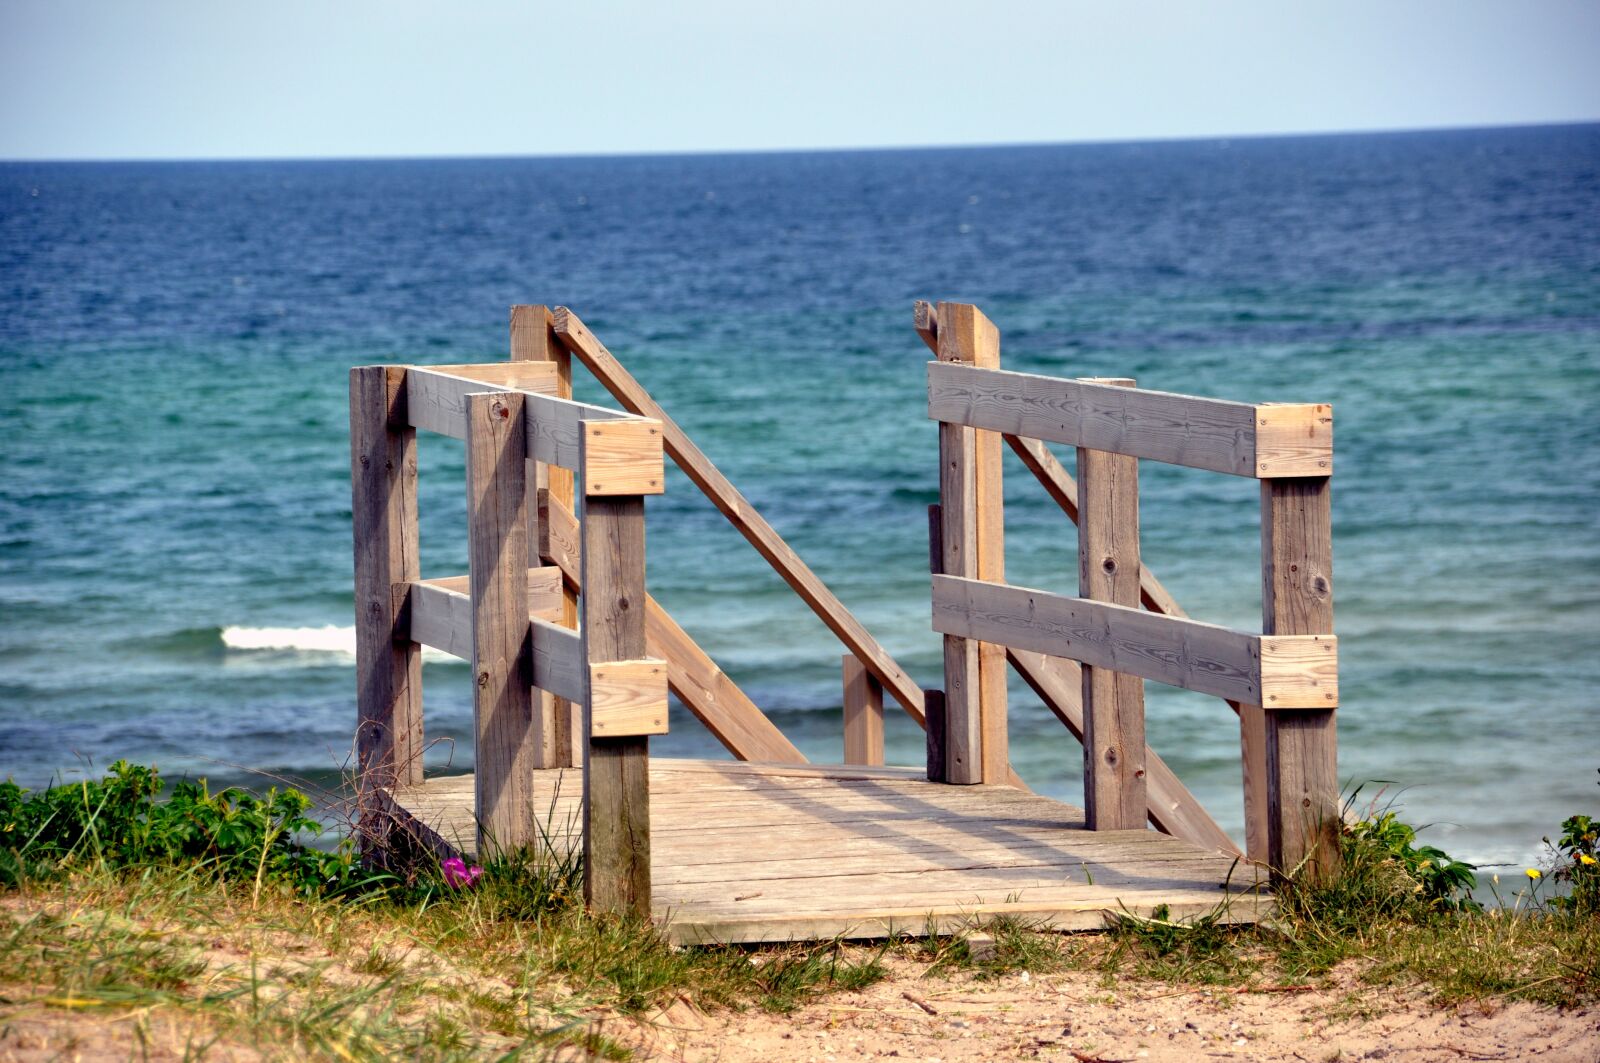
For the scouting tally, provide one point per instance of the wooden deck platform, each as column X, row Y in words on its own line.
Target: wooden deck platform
column 766, row 852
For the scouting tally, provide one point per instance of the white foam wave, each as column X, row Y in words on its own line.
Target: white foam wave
column 328, row 639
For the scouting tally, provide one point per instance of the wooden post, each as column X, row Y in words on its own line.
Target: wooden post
column 863, row 714
column 616, row 771
column 933, row 701
column 972, row 545
column 497, row 549
column 1114, row 788
column 557, row 721
column 383, row 508
column 1301, row 744
column 1253, row 757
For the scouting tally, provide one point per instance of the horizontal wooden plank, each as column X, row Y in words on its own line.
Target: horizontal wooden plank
column 686, row 928
column 623, row 458
column 1270, row 440
column 438, row 612
column 436, row 402
column 1017, row 856
column 627, row 698
column 1300, row 672
column 544, row 590
column 520, row 376
column 747, row 852
column 558, row 662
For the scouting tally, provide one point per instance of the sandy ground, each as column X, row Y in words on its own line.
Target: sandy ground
column 953, row 1018
column 1069, row 1017
column 1073, row 1017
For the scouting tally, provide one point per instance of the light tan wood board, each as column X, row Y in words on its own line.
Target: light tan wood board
column 754, row 852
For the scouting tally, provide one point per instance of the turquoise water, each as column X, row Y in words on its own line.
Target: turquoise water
column 174, row 500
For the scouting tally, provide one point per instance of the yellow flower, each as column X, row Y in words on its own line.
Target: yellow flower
column 1585, row 858
column 1534, row 872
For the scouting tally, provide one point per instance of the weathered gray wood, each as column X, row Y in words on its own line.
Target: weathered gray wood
column 558, row 662
column 1170, row 806
column 436, row 396
column 438, row 612
column 705, row 690
column 383, row 480
column 557, row 721
column 863, row 714
column 740, row 513
column 497, row 549
column 616, row 784
column 958, row 507
column 933, row 701
column 435, row 402
column 970, row 338
column 1113, row 702
column 1268, row 440
column 1292, row 671
column 516, row 376
column 1253, row 760
column 1301, row 746
column 747, row 853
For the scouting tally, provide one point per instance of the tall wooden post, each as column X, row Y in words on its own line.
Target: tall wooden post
column 1253, row 757
column 502, row 670
column 1115, row 796
column 972, row 546
column 1301, row 744
column 557, row 721
column 616, row 769
column 863, row 714
column 383, row 482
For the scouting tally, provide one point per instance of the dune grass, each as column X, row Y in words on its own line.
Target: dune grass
column 204, row 926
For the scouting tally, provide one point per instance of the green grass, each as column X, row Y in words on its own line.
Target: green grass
column 209, row 923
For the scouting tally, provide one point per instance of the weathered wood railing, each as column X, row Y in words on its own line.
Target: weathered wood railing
column 511, row 620
column 1283, row 682
column 741, row 727
column 540, row 722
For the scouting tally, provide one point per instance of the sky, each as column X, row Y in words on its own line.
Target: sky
column 98, row 79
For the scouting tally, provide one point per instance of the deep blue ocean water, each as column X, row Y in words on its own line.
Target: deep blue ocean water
column 174, row 340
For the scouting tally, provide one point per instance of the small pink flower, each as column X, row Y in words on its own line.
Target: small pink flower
column 458, row 875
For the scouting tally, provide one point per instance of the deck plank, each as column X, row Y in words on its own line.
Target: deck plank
column 776, row 852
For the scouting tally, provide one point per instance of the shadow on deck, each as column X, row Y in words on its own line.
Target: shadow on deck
column 777, row 852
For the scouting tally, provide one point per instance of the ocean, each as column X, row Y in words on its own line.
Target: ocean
column 174, row 466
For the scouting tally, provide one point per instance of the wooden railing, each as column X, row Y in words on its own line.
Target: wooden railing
column 734, row 719
column 511, row 620
column 1282, row 683
column 590, row 664
column 572, row 659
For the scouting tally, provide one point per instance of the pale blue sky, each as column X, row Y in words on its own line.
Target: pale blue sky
column 228, row 78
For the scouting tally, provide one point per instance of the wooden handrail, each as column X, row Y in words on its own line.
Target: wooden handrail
column 1289, row 749
column 1266, row 440
column 741, row 514
column 1059, row 485
column 715, row 700
column 1280, row 671
column 1172, row 808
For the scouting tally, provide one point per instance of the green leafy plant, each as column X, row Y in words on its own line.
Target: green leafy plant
column 1441, row 882
column 1576, row 862
column 119, row 822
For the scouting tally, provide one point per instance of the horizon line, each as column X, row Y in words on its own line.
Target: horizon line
column 813, row 150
